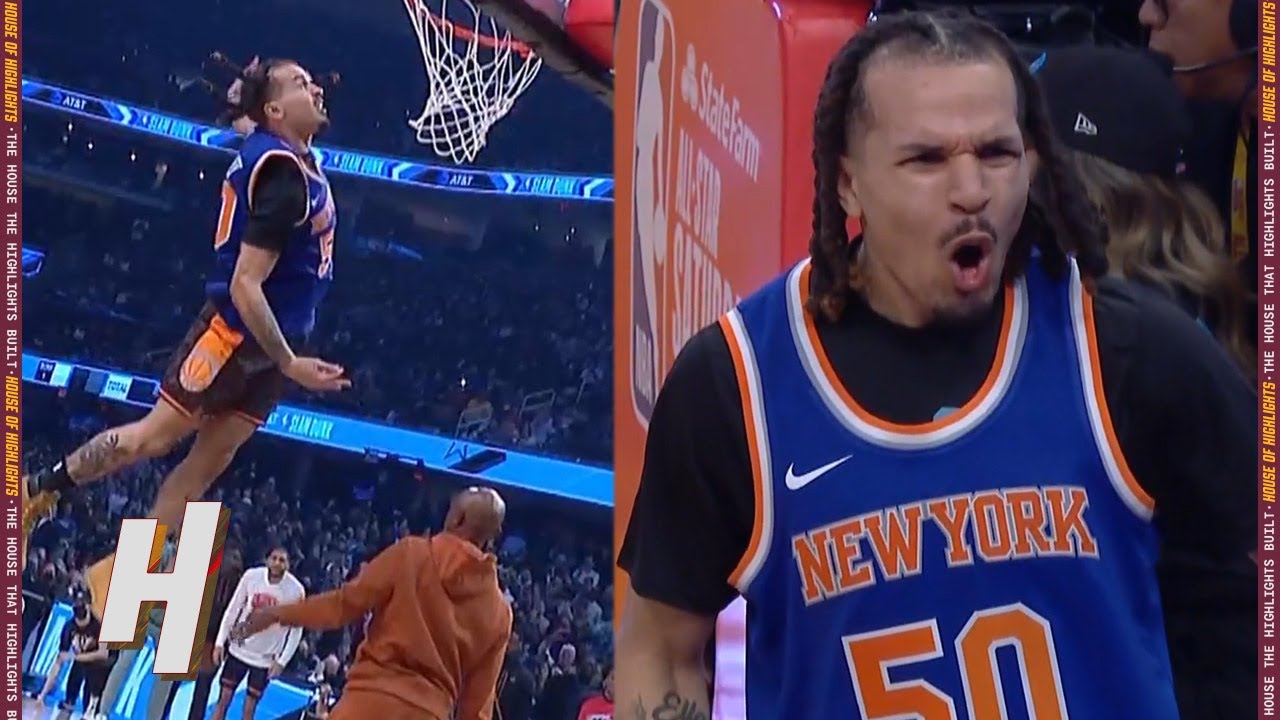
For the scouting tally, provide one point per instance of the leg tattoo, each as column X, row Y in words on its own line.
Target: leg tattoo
column 100, row 456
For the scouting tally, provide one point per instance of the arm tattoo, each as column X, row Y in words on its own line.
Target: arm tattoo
column 674, row 707
column 262, row 323
column 97, row 457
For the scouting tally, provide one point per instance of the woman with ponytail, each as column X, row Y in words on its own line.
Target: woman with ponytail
column 1162, row 231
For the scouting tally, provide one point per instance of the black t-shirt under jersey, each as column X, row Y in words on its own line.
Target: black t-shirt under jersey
column 278, row 204
column 1183, row 414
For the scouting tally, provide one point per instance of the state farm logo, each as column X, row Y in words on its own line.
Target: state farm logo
column 655, row 99
column 689, row 77
column 721, row 113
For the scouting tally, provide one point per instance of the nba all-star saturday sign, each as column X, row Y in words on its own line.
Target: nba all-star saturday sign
column 714, row 194
column 1267, row 375
column 11, row 688
column 696, row 203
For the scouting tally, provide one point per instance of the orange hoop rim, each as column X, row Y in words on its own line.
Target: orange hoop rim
column 468, row 34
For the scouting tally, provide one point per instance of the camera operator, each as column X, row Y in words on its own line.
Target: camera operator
column 91, row 662
column 1214, row 48
column 328, row 679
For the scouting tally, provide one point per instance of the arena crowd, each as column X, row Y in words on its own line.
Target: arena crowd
column 332, row 513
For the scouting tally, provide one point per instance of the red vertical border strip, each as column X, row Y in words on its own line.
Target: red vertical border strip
column 11, row 322
column 1268, row 186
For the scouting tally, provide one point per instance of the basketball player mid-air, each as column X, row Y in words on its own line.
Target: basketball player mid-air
column 935, row 459
column 274, row 260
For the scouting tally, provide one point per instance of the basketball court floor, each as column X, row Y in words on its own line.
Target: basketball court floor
column 33, row 711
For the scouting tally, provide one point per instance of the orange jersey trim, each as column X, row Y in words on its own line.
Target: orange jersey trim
column 988, row 384
column 752, row 424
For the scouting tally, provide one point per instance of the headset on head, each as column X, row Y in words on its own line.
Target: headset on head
column 1242, row 22
column 1070, row 21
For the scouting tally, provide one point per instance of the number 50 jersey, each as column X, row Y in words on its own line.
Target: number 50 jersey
column 997, row 563
column 302, row 275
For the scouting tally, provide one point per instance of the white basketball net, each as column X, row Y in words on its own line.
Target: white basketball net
column 475, row 72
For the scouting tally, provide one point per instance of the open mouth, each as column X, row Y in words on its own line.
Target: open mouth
column 971, row 262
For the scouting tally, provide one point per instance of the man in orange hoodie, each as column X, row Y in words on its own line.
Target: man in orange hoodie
column 440, row 625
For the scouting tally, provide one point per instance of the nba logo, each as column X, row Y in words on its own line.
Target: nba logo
column 650, row 224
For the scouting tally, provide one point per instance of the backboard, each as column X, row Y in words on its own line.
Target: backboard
column 574, row 37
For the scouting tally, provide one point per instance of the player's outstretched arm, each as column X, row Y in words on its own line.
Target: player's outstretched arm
column 252, row 269
column 344, row 605
column 278, row 205
column 659, row 661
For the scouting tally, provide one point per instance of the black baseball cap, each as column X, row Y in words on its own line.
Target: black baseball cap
column 1117, row 104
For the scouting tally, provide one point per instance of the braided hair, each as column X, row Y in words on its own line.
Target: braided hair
column 257, row 88
column 246, row 92
column 1059, row 220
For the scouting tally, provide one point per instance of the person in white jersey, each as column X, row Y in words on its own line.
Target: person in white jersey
column 263, row 655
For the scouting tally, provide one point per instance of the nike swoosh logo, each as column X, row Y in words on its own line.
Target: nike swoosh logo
column 795, row 482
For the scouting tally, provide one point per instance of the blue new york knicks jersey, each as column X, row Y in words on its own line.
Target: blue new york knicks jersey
column 994, row 564
column 305, row 268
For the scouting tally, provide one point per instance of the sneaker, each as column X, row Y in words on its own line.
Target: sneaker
column 37, row 509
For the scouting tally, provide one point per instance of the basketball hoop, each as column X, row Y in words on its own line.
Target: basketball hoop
column 475, row 71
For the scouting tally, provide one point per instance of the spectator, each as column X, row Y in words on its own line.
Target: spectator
column 131, row 53
column 1213, row 47
column 562, row 688
column 599, row 705
column 1163, row 231
column 329, row 679
column 90, row 662
column 261, row 656
column 440, row 626
column 548, row 577
column 517, row 687
column 532, row 325
column 519, row 325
